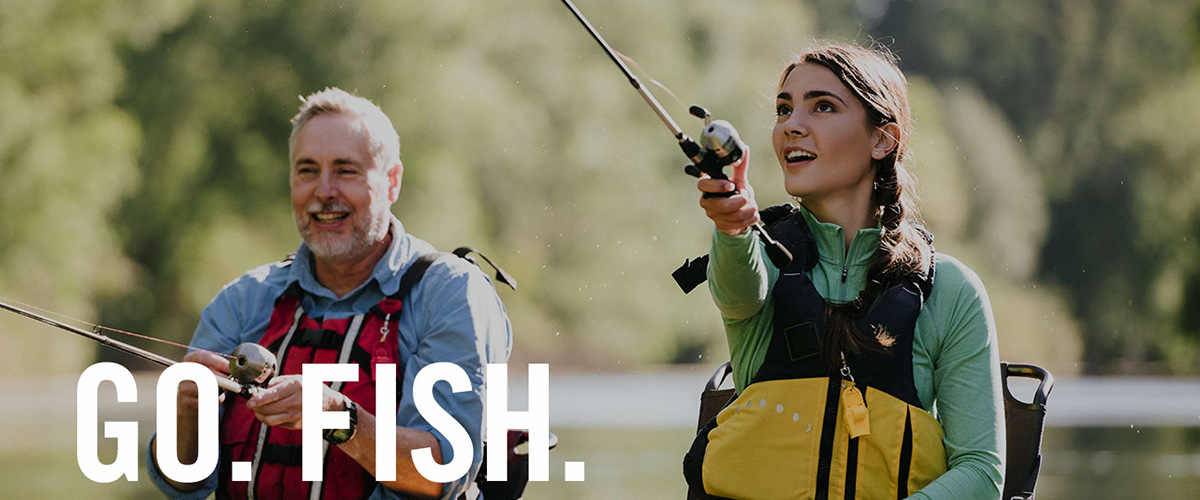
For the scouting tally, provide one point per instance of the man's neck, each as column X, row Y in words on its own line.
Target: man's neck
column 342, row 277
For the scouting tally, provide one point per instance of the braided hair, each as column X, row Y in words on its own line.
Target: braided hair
column 904, row 247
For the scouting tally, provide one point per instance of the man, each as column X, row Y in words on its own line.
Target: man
column 336, row 302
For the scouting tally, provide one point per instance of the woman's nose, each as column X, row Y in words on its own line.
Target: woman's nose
column 795, row 125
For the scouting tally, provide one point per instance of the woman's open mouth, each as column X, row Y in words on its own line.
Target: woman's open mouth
column 796, row 157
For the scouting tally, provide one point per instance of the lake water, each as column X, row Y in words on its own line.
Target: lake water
column 1108, row 438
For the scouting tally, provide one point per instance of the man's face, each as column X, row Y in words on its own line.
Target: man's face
column 340, row 196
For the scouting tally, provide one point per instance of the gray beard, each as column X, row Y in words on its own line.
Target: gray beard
column 336, row 249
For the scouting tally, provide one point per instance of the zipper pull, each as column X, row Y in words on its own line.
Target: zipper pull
column 383, row 330
column 381, row 349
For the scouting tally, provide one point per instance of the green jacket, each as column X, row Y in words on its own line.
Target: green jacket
column 955, row 354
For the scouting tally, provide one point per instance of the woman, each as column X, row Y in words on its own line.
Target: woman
column 868, row 368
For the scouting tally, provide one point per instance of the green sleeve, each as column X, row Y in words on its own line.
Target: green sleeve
column 961, row 343
column 740, row 277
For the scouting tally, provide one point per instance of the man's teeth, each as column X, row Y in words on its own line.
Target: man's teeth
column 329, row 217
column 800, row 156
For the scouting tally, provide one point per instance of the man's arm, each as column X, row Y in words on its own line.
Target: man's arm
column 187, row 417
column 457, row 318
column 280, row 406
column 221, row 324
column 454, row 316
column 361, row 448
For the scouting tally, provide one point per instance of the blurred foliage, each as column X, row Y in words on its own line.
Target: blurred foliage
column 144, row 157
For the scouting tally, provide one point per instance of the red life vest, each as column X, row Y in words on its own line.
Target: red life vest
column 274, row 452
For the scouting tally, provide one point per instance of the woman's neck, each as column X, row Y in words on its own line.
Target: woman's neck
column 851, row 215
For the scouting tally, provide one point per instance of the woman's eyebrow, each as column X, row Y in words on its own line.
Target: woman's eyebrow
column 813, row 94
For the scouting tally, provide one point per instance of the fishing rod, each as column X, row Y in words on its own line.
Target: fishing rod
column 719, row 146
column 250, row 366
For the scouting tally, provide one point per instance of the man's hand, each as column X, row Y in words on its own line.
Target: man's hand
column 187, row 416
column 280, row 403
column 734, row 214
column 188, row 401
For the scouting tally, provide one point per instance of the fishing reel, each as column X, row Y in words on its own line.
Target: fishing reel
column 252, row 366
column 719, row 146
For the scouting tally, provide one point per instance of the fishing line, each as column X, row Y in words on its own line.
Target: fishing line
column 643, row 71
column 719, row 146
column 98, row 327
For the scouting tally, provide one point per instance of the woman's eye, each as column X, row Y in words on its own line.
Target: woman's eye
column 783, row 110
column 823, row 107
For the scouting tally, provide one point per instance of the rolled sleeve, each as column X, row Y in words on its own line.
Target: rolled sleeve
column 460, row 320
column 156, row 477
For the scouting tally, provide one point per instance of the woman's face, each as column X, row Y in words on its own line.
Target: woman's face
column 821, row 137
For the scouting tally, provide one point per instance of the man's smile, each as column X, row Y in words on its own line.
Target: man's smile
column 329, row 218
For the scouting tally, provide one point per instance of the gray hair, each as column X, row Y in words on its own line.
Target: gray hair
column 384, row 142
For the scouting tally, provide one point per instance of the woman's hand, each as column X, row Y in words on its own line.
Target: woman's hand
column 734, row 214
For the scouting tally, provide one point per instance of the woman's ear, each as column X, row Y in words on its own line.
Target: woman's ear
column 886, row 140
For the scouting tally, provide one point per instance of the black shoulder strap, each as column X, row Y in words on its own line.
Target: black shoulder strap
column 775, row 212
column 415, row 272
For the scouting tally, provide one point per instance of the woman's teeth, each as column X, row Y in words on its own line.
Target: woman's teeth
column 800, row 156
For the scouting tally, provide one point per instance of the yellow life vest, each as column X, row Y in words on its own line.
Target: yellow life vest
column 790, row 440
column 796, row 432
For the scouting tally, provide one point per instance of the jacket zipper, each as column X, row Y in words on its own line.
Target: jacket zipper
column 828, row 429
column 845, row 274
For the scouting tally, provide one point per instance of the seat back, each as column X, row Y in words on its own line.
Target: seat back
column 1024, row 422
column 712, row 401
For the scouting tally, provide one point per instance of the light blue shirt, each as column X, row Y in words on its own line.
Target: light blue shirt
column 453, row 314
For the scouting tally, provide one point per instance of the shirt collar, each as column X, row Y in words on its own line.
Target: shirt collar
column 386, row 275
column 831, row 241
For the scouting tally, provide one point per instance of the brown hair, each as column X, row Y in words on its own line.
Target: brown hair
column 873, row 75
